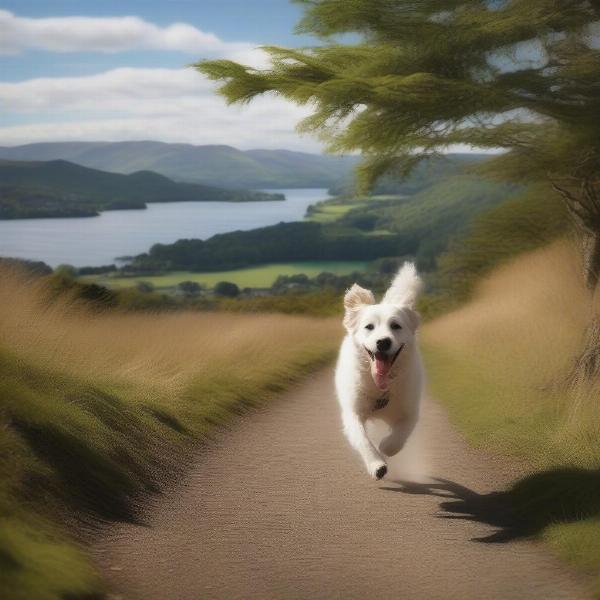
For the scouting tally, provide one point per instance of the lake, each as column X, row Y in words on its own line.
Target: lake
column 99, row 240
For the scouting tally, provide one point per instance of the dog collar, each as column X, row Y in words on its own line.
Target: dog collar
column 381, row 402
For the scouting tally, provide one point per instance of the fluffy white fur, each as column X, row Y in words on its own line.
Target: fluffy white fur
column 379, row 360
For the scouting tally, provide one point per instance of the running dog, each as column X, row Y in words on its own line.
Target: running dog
column 379, row 373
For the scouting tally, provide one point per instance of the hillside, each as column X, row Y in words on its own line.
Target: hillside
column 59, row 188
column 426, row 220
column 211, row 164
column 425, row 174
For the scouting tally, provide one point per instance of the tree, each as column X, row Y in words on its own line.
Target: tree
column 66, row 271
column 423, row 75
column 190, row 288
column 227, row 289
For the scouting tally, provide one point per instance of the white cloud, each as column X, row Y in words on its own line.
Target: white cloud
column 174, row 105
column 107, row 34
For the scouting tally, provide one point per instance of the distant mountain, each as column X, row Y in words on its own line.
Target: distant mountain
column 59, row 188
column 212, row 165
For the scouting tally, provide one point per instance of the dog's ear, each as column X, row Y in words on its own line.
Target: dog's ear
column 405, row 287
column 413, row 318
column 355, row 299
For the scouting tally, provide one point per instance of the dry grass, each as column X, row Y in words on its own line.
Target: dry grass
column 535, row 308
column 523, row 329
column 163, row 352
column 96, row 408
column 500, row 363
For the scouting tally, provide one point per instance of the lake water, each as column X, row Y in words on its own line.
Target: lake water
column 99, row 240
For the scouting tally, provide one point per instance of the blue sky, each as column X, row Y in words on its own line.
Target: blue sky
column 269, row 22
column 120, row 72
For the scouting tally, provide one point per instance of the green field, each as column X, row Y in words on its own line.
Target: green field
column 262, row 276
column 328, row 212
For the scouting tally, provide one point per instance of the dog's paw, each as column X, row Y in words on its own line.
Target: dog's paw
column 391, row 446
column 378, row 470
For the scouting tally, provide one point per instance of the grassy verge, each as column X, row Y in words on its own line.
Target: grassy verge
column 499, row 364
column 263, row 276
column 98, row 409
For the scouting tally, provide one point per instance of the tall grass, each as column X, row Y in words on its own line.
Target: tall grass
column 501, row 362
column 98, row 408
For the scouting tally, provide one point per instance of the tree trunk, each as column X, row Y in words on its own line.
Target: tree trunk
column 584, row 208
column 590, row 251
column 586, row 368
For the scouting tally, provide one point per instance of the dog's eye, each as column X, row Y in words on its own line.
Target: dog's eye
column 370, row 326
column 395, row 326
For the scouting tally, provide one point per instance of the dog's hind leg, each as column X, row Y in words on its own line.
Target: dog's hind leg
column 394, row 442
column 354, row 428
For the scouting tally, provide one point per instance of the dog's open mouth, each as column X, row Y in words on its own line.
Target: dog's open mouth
column 381, row 365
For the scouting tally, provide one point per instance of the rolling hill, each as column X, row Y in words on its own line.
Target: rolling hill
column 427, row 173
column 211, row 164
column 59, row 188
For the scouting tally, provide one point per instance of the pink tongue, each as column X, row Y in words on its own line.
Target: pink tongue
column 380, row 370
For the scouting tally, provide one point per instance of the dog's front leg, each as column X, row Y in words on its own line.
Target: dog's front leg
column 354, row 428
column 394, row 442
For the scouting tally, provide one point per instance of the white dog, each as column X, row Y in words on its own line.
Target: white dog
column 379, row 374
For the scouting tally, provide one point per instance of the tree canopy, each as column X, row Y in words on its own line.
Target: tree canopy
column 420, row 76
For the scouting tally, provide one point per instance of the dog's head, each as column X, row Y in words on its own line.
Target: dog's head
column 384, row 331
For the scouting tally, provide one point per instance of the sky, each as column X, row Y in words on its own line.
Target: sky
column 82, row 70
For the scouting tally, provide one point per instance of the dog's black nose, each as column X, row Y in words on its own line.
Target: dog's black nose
column 384, row 344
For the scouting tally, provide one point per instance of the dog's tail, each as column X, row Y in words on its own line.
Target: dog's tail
column 405, row 288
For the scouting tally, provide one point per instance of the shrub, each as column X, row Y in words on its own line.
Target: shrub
column 227, row 289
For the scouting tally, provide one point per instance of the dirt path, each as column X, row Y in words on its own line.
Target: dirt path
column 281, row 508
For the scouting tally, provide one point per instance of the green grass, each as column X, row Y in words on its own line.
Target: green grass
column 333, row 209
column 329, row 211
column 263, row 276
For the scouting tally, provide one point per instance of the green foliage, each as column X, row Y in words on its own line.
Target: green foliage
column 428, row 172
column 426, row 220
column 66, row 271
column 191, row 288
column 227, row 289
column 524, row 222
column 426, row 74
column 62, row 189
column 285, row 242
